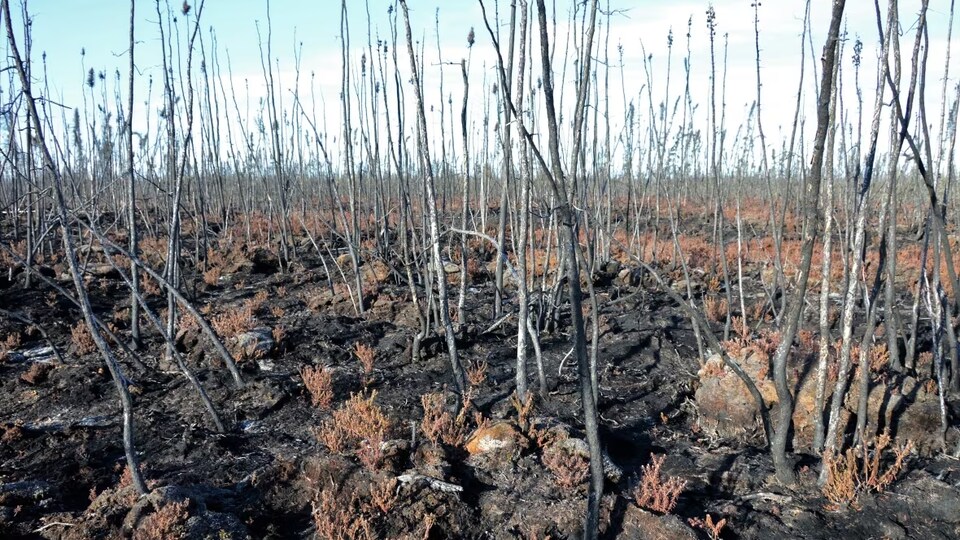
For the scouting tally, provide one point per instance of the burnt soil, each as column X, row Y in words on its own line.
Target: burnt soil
column 61, row 456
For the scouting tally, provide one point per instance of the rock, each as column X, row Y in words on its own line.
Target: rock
column 727, row 409
column 375, row 271
column 210, row 524
column 502, row 437
column 257, row 343
column 451, row 268
column 638, row 523
column 259, row 398
column 24, row 492
column 612, row 267
column 680, row 286
column 37, row 354
column 909, row 408
column 508, row 277
column 927, row 497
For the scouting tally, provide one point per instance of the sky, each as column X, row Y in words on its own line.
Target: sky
column 77, row 35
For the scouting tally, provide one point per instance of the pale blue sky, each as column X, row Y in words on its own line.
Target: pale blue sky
column 62, row 28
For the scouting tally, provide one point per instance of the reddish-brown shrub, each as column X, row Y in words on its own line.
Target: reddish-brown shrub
column 319, row 382
column 359, row 422
column 168, row 522
column 438, row 424
column 82, row 340
column 383, row 495
column 709, row 526
column 212, row 276
column 654, row 492
column 365, row 355
column 569, row 470
column 715, row 308
column 859, row 470
column 477, row 373
column 335, row 520
column 234, row 322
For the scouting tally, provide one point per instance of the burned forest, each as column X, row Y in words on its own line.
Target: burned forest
column 481, row 269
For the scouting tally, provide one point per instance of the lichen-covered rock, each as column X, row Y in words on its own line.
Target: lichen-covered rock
column 727, row 409
column 498, row 437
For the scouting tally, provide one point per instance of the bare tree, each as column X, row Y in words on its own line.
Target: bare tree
column 434, row 222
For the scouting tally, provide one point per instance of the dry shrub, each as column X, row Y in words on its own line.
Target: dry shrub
column 319, row 382
column 359, row 422
column 859, row 470
column 524, row 409
column 428, row 521
column 758, row 311
column 11, row 432
column 258, row 301
column 37, row 373
column 715, row 308
column 234, row 322
column 879, row 358
column 277, row 311
column 212, row 276
column 365, row 355
column 153, row 250
column 279, row 333
column 82, row 340
column 384, row 495
column 477, row 373
column 807, row 341
column 331, row 435
column 655, row 493
column 709, row 526
column 149, row 286
column 713, row 284
column 337, row 521
column 438, row 424
column 924, row 360
column 169, row 522
column 370, row 450
column 11, row 342
column 569, row 470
